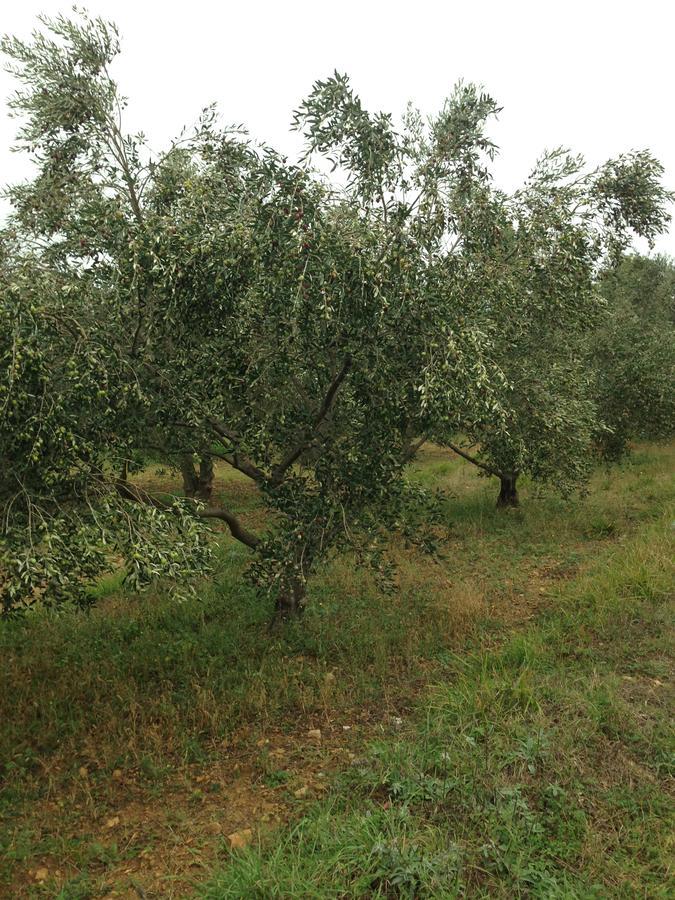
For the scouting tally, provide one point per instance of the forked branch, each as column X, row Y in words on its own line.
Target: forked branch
column 308, row 437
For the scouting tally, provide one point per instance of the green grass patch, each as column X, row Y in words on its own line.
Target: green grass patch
column 532, row 720
column 538, row 768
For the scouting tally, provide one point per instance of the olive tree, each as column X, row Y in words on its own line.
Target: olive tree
column 632, row 353
column 538, row 302
column 247, row 310
column 307, row 330
column 516, row 272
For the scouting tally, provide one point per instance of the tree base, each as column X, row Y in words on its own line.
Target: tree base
column 508, row 494
column 290, row 603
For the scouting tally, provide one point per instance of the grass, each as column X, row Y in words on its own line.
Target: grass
column 535, row 766
column 539, row 768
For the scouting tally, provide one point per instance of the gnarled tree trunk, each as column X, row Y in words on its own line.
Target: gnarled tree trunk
column 197, row 484
column 290, row 600
column 206, row 477
column 508, row 494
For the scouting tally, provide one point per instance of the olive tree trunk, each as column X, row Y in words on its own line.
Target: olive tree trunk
column 290, row 601
column 198, row 485
column 508, row 493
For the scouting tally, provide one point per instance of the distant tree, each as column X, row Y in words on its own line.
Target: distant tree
column 633, row 353
column 538, row 301
column 644, row 285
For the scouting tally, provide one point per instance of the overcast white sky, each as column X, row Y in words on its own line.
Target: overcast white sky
column 597, row 76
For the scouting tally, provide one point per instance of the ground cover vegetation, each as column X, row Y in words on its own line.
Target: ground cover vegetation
column 236, row 388
column 138, row 736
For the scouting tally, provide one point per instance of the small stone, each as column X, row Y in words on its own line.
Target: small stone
column 240, row 839
column 346, row 727
column 301, row 792
column 314, row 734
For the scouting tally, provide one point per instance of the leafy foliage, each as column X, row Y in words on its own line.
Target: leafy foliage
column 219, row 302
column 68, row 408
column 633, row 353
column 539, row 301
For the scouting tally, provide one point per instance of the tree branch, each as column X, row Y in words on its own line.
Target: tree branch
column 411, row 450
column 237, row 530
column 332, row 391
column 241, row 463
column 281, row 468
column 473, row 460
column 138, row 495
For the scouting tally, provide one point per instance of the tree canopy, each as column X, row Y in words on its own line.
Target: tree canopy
column 310, row 330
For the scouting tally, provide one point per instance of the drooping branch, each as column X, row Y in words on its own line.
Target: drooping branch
column 238, row 531
column 308, row 437
column 473, row 460
column 137, row 495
